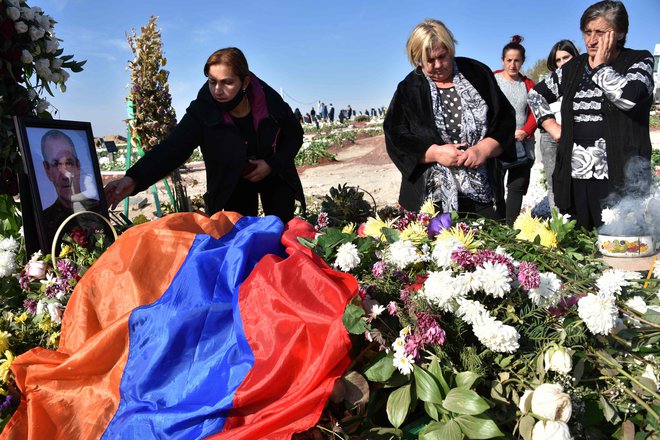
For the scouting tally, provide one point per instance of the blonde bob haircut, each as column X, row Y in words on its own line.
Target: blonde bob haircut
column 424, row 37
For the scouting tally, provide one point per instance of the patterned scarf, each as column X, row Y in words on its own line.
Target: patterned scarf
column 444, row 184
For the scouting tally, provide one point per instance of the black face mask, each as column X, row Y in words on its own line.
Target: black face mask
column 232, row 103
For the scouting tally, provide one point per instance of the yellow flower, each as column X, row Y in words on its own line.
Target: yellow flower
column 22, row 318
column 428, row 208
column 466, row 238
column 46, row 325
column 548, row 238
column 415, row 233
column 373, row 227
column 66, row 250
column 4, row 340
column 531, row 227
column 349, row 228
column 53, row 339
column 4, row 367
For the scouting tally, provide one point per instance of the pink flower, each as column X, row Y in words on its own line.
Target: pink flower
column 529, row 276
column 378, row 269
column 322, row 222
column 360, row 231
column 392, row 308
column 463, row 257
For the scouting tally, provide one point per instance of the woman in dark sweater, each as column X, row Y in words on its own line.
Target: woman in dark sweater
column 607, row 95
column 446, row 123
column 248, row 136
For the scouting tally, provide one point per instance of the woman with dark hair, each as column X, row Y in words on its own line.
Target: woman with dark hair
column 445, row 126
column 607, row 96
column 515, row 86
column 561, row 52
column 249, row 139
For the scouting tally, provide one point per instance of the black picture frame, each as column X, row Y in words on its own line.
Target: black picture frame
column 67, row 182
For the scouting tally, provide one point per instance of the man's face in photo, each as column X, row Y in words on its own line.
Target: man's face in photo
column 61, row 166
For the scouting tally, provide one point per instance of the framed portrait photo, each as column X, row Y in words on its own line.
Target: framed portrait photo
column 64, row 187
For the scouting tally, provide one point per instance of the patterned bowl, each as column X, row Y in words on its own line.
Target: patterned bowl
column 626, row 245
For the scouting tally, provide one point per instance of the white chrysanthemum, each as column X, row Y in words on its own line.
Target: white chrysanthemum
column 599, row 313
column 497, row 336
column 463, row 284
column 471, row 311
column 442, row 250
column 7, row 263
column 403, row 362
column 9, row 244
column 55, row 311
column 401, row 254
column 37, row 255
column 439, row 289
column 399, row 344
column 494, row 279
column 348, row 257
column 613, row 280
column 376, row 311
column 547, row 294
column 637, row 303
column 610, row 215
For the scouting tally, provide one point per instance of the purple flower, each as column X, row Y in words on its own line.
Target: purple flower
column 408, row 217
column 322, row 222
column 405, row 295
column 30, row 305
column 528, row 276
column 378, row 269
column 423, row 218
column 412, row 348
column 9, row 400
column 392, row 308
column 463, row 258
column 438, row 223
column 488, row 255
column 67, row 269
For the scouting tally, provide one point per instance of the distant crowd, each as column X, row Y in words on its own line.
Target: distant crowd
column 326, row 113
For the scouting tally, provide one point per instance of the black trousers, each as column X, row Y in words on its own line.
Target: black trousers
column 517, row 184
column 475, row 209
column 587, row 202
column 277, row 198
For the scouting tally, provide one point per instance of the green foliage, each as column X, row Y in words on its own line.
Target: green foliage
column 538, row 71
column 346, row 204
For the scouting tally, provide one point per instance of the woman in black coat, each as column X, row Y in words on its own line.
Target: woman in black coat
column 249, row 138
column 446, row 123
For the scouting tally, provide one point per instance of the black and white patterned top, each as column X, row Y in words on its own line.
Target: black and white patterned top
column 589, row 156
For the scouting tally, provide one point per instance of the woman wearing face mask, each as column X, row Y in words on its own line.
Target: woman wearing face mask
column 248, row 136
column 561, row 52
column 607, row 95
column 446, row 123
column 515, row 86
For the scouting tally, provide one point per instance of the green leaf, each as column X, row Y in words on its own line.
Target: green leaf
column 398, row 405
column 381, row 369
column 466, row 379
column 432, row 410
column 391, row 235
column 525, row 426
column 463, row 401
column 307, row 242
column 436, row 371
column 384, row 434
column 439, row 431
column 478, row 427
column 426, row 386
column 652, row 316
column 353, row 321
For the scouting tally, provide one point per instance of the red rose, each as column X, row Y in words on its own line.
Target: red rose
column 79, row 236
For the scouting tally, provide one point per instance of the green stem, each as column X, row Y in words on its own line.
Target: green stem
column 635, row 313
column 653, row 393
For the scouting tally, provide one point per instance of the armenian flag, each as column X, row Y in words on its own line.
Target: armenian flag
column 192, row 327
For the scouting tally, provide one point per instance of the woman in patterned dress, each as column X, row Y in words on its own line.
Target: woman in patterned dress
column 607, row 95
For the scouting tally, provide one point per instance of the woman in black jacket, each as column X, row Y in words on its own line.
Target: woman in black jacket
column 249, row 138
column 446, row 123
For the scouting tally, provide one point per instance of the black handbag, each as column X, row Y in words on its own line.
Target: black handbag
column 524, row 155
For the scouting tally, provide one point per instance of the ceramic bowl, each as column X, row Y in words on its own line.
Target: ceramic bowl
column 626, row 245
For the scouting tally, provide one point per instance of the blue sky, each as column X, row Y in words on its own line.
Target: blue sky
column 340, row 52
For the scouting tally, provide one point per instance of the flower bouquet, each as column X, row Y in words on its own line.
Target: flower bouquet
column 470, row 329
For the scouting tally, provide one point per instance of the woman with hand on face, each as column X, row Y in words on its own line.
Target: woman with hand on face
column 515, row 86
column 560, row 53
column 607, row 95
column 248, row 136
column 446, row 123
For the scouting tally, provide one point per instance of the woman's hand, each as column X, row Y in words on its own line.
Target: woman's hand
column 606, row 49
column 550, row 125
column 475, row 156
column 520, row 135
column 260, row 172
column 449, row 155
column 118, row 190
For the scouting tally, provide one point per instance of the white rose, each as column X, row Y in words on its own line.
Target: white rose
column 36, row 33
column 551, row 430
column 65, row 75
column 27, row 13
column 32, row 94
column 558, row 359
column 525, row 403
column 56, row 63
column 52, row 45
column 55, row 312
column 36, row 269
column 44, row 21
column 41, row 307
column 26, row 57
column 551, row 403
column 42, row 106
column 55, row 77
column 13, row 13
column 20, row 27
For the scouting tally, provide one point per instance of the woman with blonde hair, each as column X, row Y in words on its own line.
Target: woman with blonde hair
column 447, row 122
